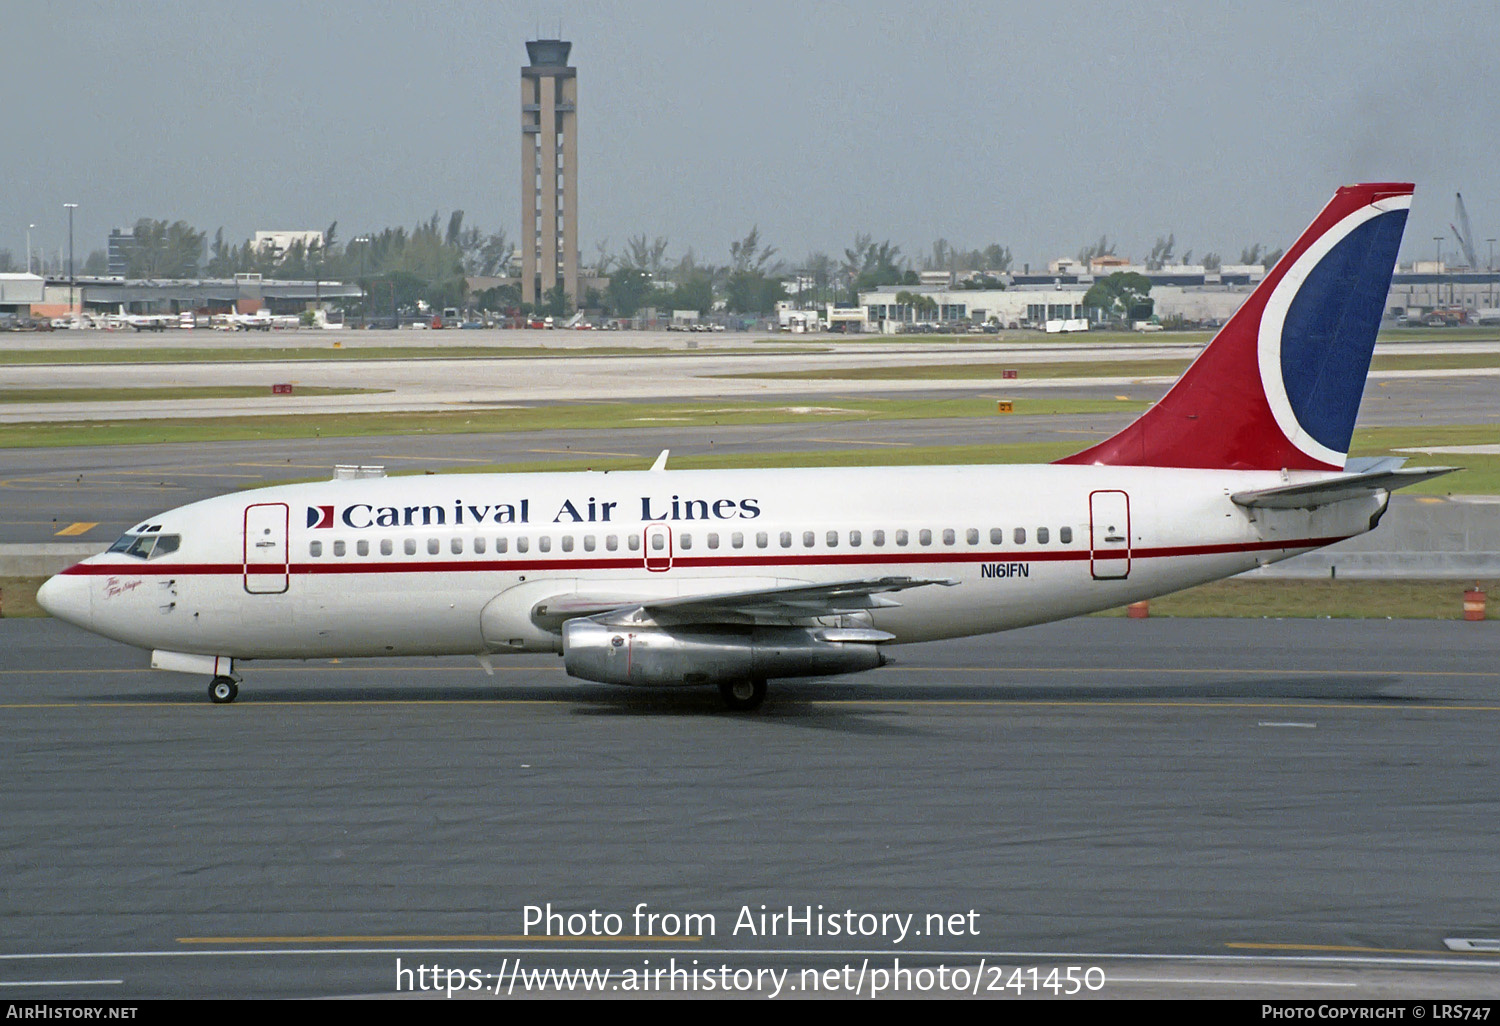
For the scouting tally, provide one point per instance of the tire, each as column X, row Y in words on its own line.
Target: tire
column 743, row 695
column 223, row 690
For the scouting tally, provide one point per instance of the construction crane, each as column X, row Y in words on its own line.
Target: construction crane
column 1463, row 232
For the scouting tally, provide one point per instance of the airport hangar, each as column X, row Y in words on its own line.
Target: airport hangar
column 56, row 296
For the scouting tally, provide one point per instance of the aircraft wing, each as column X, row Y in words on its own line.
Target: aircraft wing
column 774, row 604
column 1337, row 489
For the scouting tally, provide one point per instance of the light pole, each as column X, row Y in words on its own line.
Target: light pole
column 1491, row 264
column 364, row 290
column 72, row 278
column 31, row 226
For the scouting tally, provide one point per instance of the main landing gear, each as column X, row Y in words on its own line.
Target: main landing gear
column 223, row 690
column 743, row 695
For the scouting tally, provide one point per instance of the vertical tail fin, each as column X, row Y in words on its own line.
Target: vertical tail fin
column 1280, row 384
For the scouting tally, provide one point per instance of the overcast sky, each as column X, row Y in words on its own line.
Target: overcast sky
column 1036, row 126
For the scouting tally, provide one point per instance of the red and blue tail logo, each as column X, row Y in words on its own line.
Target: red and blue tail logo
column 1279, row 386
column 320, row 516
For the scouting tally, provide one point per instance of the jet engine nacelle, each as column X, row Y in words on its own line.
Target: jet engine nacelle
column 656, row 656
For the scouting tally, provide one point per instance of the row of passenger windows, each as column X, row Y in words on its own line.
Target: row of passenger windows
column 458, row 545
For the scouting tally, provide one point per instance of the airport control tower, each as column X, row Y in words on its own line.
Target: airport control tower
column 549, row 171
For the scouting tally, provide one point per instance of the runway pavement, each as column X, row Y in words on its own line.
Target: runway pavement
column 440, row 384
column 50, row 490
column 1266, row 809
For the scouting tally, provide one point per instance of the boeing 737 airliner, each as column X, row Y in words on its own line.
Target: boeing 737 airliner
column 729, row 578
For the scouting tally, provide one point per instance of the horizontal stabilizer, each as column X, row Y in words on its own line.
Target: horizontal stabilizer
column 1337, row 489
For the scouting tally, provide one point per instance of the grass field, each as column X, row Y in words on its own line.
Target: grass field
column 1400, row 600
column 128, row 394
column 1396, row 600
column 526, row 418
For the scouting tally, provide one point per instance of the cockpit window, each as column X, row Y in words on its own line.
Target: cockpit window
column 146, row 546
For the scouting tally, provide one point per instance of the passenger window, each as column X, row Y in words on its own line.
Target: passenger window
column 833, row 539
column 315, row 549
column 588, row 543
column 338, row 548
column 997, row 536
column 713, row 540
column 633, row 542
column 456, row 546
column 1042, row 536
column 761, row 540
column 685, row 540
column 854, row 539
column 410, row 546
column 500, row 544
column 386, row 548
column 972, row 536
column 611, row 542
column 432, row 546
column 786, row 539
column 1019, row 536
column 658, row 541
column 948, row 536
column 737, row 540
column 544, row 543
column 362, row 547
column 567, row 543
column 901, row 537
column 1065, row 535
column 877, row 538
column 478, row 546
column 925, row 537
column 808, row 539
column 523, row 543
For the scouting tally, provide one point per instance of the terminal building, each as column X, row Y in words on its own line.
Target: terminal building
column 1189, row 295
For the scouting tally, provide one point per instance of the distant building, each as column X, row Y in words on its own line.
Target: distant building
column 117, row 256
column 278, row 242
column 549, row 172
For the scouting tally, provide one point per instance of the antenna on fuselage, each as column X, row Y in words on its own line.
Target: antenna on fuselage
column 661, row 461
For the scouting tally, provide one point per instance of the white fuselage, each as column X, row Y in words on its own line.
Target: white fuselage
column 458, row 564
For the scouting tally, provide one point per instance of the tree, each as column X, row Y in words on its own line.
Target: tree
column 996, row 258
column 646, row 256
column 162, row 250
column 1256, row 255
column 1161, row 253
column 868, row 265
column 97, row 263
column 697, row 293
column 627, row 292
column 746, row 255
column 1103, row 247
column 1124, row 295
column 7, row 262
column 495, row 255
column 1212, row 261
column 555, row 302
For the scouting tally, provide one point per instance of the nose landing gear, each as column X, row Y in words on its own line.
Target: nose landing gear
column 223, row 690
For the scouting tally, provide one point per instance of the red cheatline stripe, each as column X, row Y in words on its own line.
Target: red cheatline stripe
column 397, row 565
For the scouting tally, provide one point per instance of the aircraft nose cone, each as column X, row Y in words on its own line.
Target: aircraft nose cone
column 66, row 597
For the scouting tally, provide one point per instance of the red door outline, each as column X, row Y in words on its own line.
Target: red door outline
column 266, row 555
column 1109, row 550
column 657, row 564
